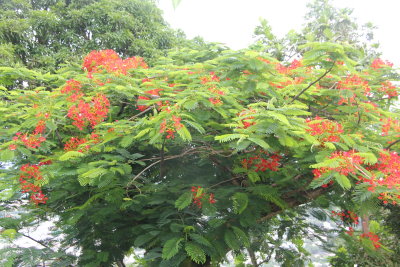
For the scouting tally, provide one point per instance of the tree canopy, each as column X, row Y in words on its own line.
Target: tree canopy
column 45, row 34
column 204, row 155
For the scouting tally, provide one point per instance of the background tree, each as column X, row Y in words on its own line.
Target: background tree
column 323, row 23
column 45, row 34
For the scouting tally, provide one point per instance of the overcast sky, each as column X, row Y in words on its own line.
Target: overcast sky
column 232, row 22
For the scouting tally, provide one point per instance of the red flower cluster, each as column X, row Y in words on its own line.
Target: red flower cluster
column 262, row 162
column 389, row 165
column 73, row 143
column 347, row 162
column 327, row 185
column 40, row 127
column 373, row 237
column 73, row 88
column 346, row 216
column 390, row 124
column 210, row 78
column 379, row 63
column 385, row 173
column 325, row 130
column 215, row 100
column 350, row 232
column 29, row 140
column 197, row 198
column 350, row 83
column 170, row 127
column 389, row 89
column 289, row 81
column 247, row 120
column 110, row 61
column 91, row 113
column 29, row 175
column 34, row 139
column 286, row 70
column 154, row 93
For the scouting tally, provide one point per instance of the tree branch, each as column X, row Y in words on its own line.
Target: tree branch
column 294, row 201
column 392, row 144
column 35, row 240
column 140, row 113
column 311, row 84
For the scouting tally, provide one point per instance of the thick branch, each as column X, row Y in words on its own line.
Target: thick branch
column 252, row 257
column 365, row 224
column 311, row 84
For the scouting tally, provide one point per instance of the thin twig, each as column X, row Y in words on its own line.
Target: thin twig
column 37, row 241
column 395, row 142
column 225, row 181
column 140, row 113
column 311, row 84
column 191, row 151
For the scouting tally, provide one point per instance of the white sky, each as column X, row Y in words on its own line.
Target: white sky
column 232, row 22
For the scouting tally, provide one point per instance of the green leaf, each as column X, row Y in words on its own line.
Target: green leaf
column 142, row 133
column 240, row 202
column 127, row 140
column 229, row 137
column 86, row 177
column 241, row 236
column 183, row 201
column 343, row 181
column 184, row 133
column 196, row 126
column 231, row 240
column 195, row 252
column 369, row 158
column 201, row 240
column 171, row 248
column 142, row 239
column 260, row 142
column 279, row 117
column 253, row 176
column 51, row 125
column 9, row 233
column 71, row 155
column 7, row 155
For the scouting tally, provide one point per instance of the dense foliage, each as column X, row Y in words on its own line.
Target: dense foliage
column 46, row 34
column 206, row 155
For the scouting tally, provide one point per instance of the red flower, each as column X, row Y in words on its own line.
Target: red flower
column 12, row 147
column 73, row 143
column 379, row 63
column 262, row 162
column 325, row 130
column 373, row 237
column 110, row 61
column 347, row 163
column 91, row 113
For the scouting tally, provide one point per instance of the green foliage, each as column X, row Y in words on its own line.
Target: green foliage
column 49, row 34
column 171, row 248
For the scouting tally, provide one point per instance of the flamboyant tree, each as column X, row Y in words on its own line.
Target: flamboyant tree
column 191, row 160
column 206, row 155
